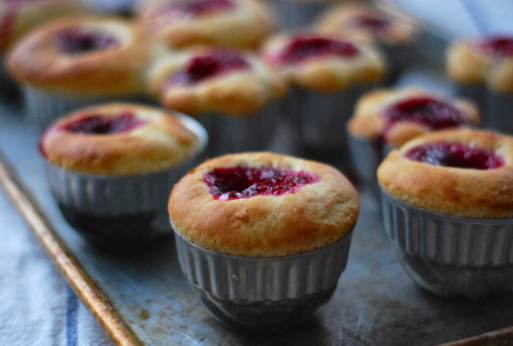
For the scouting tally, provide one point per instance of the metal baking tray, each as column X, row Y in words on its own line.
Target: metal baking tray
column 141, row 296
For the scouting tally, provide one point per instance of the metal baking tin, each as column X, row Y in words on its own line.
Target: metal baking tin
column 232, row 134
column 451, row 256
column 298, row 14
column 498, row 111
column 263, row 293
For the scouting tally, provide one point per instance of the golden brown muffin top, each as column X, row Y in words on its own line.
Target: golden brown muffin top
column 321, row 208
column 119, row 139
column 208, row 79
column 469, row 174
column 227, row 23
column 487, row 61
column 323, row 62
column 88, row 56
column 370, row 122
column 366, row 22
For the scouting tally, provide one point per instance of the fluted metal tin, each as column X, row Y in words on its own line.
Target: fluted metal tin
column 366, row 155
column 498, row 111
column 43, row 108
column 451, row 256
column 231, row 134
column 298, row 14
column 122, row 209
column 266, row 294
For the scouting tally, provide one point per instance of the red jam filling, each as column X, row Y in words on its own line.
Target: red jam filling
column 99, row 125
column 198, row 7
column 498, row 46
column 79, row 42
column 304, row 48
column 453, row 154
column 427, row 111
column 204, row 67
column 374, row 24
column 244, row 182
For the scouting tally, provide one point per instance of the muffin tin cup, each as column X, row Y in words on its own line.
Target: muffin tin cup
column 120, row 210
column 232, row 134
column 321, row 117
column 264, row 294
column 43, row 108
column 298, row 14
column 476, row 93
column 498, row 113
column 450, row 256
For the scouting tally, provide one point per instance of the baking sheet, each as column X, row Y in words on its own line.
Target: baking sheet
column 375, row 303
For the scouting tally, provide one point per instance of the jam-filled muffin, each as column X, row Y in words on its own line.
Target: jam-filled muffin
column 232, row 93
column 70, row 63
column 447, row 207
column 18, row 17
column 263, row 238
column 387, row 118
column 395, row 35
column 482, row 70
column 328, row 74
column 111, row 167
column 227, row 23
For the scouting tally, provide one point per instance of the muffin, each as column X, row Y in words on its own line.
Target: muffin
column 227, row 23
column 396, row 36
column 482, row 70
column 263, row 238
column 328, row 74
column 71, row 63
column 232, row 93
column 111, row 167
column 17, row 18
column 447, row 201
column 387, row 118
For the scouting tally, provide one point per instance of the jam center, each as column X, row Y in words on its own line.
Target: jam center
column 453, row 154
column 427, row 111
column 244, row 182
column 374, row 24
column 204, row 67
column 199, row 7
column 305, row 48
column 79, row 42
column 498, row 46
column 100, row 125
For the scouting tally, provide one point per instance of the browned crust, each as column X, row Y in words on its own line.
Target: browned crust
column 29, row 15
column 466, row 63
column 338, row 20
column 244, row 26
column 326, row 73
column 235, row 93
column 159, row 144
column 114, row 71
column 366, row 122
column 469, row 193
column 265, row 226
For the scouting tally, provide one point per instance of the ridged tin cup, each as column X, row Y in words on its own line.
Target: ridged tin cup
column 298, row 14
column 451, row 256
column 498, row 111
column 232, row 134
column 366, row 155
column 120, row 210
column 43, row 108
column 265, row 294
